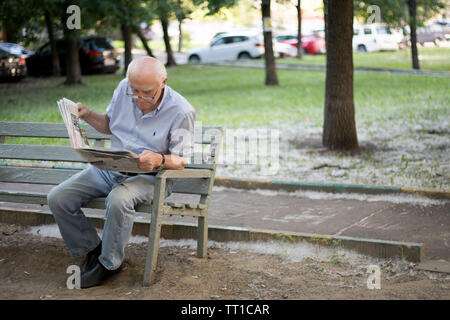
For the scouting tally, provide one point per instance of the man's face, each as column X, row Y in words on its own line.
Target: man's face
column 146, row 92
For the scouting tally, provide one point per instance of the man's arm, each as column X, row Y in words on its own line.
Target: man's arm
column 99, row 121
column 148, row 160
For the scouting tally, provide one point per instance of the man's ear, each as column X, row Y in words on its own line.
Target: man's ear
column 164, row 81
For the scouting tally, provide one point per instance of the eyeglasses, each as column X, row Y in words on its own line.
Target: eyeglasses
column 135, row 97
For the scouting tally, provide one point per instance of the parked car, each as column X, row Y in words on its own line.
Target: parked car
column 96, row 54
column 229, row 46
column 445, row 24
column 312, row 43
column 12, row 64
column 16, row 49
column 434, row 33
column 375, row 37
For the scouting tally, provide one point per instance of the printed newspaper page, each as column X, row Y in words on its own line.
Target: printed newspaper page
column 116, row 160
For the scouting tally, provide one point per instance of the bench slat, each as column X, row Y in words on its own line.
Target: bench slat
column 36, row 152
column 97, row 203
column 43, row 130
column 67, row 154
column 58, row 130
column 50, row 176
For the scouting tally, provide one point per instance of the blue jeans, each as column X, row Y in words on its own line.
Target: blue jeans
column 122, row 193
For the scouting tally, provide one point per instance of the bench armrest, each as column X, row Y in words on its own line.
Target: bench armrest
column 185, row 173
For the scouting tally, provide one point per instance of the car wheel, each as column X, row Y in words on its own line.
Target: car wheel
column 362, row 48
column 244, row 56
column 437, row 42
column 194, row 59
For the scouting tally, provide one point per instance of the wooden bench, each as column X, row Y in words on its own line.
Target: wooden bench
column 37, row 165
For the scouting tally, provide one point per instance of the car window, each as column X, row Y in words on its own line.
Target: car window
column 46, row 49
column 102, row 43
column 383, row 31
column 355, row 32
column 367, row 31
column 217, row 42
column 240, row 39
column 224, row 40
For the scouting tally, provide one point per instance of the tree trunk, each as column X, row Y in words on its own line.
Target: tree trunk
column 325, row 20
column 73, row 70
column 9, row 34
column 180, row 35
column 339, row 129
column 170, row 59
column 127, row 39
column 271, row 71
column 412, row 25
column 56, row 67
column 138, row 32
column 299, row 30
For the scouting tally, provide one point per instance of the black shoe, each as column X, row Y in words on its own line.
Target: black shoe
column 91, row 259
column 96, row 276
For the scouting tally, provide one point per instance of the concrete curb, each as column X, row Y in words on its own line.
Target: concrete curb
column 252, row 184
column 413, row 252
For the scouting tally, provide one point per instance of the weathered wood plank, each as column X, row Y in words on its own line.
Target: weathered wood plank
column 35, row 152
column 56, row 176
column 35, row 175
column 58, row 130
column 67, row 154
column 44, row 130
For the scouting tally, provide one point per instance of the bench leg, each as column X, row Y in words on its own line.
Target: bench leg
column 154, row 234
column 202, row 240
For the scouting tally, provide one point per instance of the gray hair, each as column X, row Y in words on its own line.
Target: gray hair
column 161, row 72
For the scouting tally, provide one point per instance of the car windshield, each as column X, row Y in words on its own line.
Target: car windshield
column 103, row 43
column 13, row 49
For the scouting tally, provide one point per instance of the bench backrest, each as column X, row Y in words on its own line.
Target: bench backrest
column 207, row 142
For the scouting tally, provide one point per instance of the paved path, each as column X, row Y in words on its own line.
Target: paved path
column 384, row 220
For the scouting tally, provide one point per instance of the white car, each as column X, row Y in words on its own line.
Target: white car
column 228, row 46
column 374, row 37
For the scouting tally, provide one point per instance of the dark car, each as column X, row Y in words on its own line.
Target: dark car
column 12, row 66
column 96, row 54
column 434, row 33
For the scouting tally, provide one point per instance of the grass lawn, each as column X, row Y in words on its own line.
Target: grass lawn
column 430, row 58
column 237, row 97
column 394, row 112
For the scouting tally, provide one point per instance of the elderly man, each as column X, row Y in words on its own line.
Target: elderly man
column 145, row 116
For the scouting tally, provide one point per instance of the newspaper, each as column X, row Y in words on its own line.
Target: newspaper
column 116, row 160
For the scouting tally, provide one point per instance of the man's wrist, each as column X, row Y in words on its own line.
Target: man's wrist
column 163, row 161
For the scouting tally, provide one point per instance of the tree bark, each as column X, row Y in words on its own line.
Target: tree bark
column 127, row 37
column 271, row 71
column 325, row 20
column 73, row 70
column 339, row 129
column 72, row 59
column 299, row 30
column 56, row 67
column 170, row 59
column 138, row 32
column 9, row 34
column 180, row 35
column 412, row 25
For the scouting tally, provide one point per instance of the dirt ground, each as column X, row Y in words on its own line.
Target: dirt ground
column 34, row 267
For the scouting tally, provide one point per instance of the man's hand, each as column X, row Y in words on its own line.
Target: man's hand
column 148, row 160
column 83, row 112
